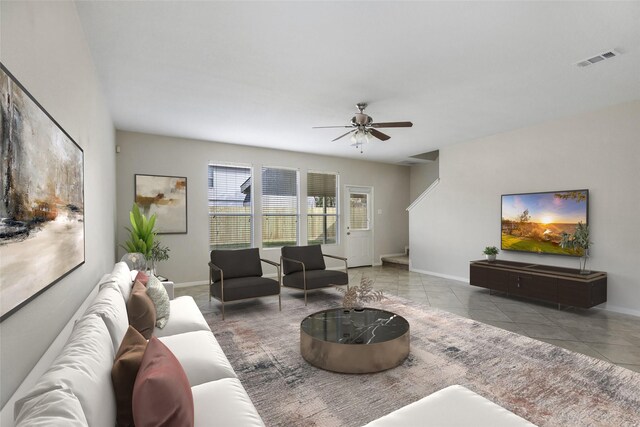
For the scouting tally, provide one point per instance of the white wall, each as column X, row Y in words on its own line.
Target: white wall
column 421, row 177
column 160, row 155
column 599, row 151
column 43, row 46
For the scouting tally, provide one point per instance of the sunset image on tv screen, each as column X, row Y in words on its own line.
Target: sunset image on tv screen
column 535, row 222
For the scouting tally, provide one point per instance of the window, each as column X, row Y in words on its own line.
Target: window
column 279, row 207
column 322, row 208
column 230, row 207
column 359, row 211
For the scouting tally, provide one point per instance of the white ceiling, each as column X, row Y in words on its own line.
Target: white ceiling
column 264, row 73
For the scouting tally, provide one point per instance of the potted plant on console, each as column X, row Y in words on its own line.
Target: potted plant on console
column 579, row 241
column 491, row 252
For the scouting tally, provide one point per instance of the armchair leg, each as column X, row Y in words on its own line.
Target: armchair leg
column 280, row 301
column 305, row 297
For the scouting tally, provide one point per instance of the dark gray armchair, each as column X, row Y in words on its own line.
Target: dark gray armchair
column 237, row 274
column 303, row 268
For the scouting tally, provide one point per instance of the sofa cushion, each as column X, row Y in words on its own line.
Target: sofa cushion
column 452, row 406
column 141, row 311
column 316, row 279
column 84, row 367
column 142, row 277
column 57, row 407
column 185, row 317
column 124, row 372
column 160, row 298
column 245, row 287
column 236, row 263
column 122, row 276
column 310, row 255
column 226, row 402
column 209, row 363
column 111, row 308
column 161, row 394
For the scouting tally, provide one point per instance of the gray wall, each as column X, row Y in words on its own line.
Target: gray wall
column 43, row 45
column 599, row 151
column 422, row 176
column 161, row 155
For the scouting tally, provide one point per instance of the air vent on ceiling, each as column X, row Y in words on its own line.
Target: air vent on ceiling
column 598, row 58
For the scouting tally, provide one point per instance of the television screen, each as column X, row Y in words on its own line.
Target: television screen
column 534, row 222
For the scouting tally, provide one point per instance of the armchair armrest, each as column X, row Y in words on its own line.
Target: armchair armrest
column 346, row 267
column 275, row 264
column 215, row 267
column 336, row 257
column 293, row 260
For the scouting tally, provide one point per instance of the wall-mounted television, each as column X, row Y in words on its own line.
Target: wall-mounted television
column 534, row 222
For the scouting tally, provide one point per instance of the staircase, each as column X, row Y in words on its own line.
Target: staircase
column 398, row 261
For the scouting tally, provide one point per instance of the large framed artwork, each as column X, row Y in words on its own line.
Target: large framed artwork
column 165, row 196
column 41, row 199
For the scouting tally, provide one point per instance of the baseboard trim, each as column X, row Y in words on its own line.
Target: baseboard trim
column 444, row 276
column 618, row 309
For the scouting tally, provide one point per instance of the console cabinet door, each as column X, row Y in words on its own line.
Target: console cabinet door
column 533, row 286
column 478, row 276
column 581, row 294
column 498, row 280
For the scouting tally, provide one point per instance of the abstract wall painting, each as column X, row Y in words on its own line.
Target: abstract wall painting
column 165, row 196
column 41, row 198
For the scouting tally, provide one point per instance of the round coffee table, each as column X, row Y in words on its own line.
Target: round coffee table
column 354, row 341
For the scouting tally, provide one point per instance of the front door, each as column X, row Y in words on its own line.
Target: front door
column 359, row 233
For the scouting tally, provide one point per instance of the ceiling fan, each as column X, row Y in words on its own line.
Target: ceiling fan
column 362, row 126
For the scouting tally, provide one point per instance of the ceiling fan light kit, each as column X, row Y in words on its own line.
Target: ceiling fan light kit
column 363, row 128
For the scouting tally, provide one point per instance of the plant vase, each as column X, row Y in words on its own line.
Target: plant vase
column 583, row 262
column 491, row 258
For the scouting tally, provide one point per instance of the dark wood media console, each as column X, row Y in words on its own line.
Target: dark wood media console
column 563, row 286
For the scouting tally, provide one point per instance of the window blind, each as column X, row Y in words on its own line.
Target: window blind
column 230, row 207
column 279, row 207
column 322, row 208
column 358, row 212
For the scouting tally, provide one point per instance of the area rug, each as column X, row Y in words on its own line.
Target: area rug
column 542, row 383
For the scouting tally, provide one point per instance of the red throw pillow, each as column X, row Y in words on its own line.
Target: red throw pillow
column 142, row 277
column 161, row 395
column 141, row 311
column 124, row 372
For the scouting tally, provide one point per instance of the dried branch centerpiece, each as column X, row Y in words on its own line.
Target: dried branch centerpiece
column 355, row 297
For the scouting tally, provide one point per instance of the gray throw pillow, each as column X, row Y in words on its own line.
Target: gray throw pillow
column 160, row 298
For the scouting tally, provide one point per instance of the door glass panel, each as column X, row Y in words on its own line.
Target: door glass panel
column 358, row 211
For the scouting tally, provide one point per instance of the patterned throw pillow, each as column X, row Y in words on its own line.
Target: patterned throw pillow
column 160, row 298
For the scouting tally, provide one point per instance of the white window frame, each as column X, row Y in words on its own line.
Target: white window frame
column 263, row 215
column 251, row 214
column 338, row 205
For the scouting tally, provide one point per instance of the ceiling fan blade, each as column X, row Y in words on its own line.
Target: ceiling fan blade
column 342, row 136
column 392, row 125
column 381, row 136
column 329, row 127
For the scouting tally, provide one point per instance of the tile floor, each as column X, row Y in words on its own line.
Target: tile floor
column 602, row 334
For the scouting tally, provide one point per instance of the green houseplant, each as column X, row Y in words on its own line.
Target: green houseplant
column 141, row 233
column 491, row 252
column 159, row 253
column 578, row 241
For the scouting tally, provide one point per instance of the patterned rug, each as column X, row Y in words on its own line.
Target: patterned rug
column 542, row 383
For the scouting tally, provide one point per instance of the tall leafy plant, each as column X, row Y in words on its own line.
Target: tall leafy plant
column 141, row 233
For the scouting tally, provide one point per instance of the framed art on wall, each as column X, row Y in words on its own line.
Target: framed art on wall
column 165, row 196
column 41, row 198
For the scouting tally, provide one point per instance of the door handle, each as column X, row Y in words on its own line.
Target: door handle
column 348, row 233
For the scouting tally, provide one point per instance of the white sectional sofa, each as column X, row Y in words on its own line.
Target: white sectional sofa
column 76, row 389
column 71, row 385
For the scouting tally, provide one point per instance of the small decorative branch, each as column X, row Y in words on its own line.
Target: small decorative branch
column 357, row 296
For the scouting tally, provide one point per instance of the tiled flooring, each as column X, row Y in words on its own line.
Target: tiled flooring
column 605, row 335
